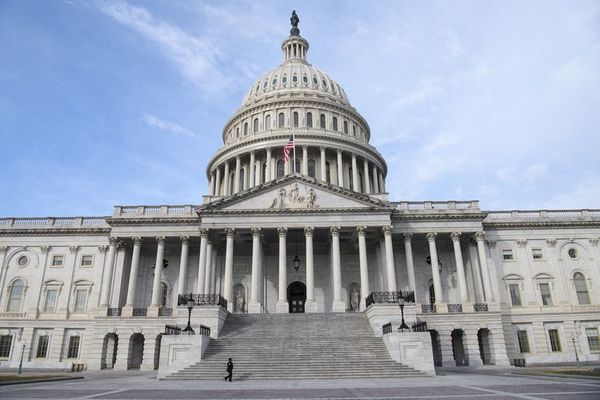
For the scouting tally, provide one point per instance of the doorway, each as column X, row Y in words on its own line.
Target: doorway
column 296, row 297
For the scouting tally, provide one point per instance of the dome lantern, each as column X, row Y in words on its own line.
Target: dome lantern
column 295, row 47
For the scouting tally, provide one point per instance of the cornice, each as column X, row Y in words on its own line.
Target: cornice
column 315, row 211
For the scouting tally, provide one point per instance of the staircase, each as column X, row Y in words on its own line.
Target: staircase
column 296, row 346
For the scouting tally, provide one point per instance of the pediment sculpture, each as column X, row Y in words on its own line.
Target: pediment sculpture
column 292, row 198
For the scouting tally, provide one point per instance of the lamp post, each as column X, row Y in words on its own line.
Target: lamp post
column 21, row 362
column 190, row 305
column 403, row 327
column 575, row 348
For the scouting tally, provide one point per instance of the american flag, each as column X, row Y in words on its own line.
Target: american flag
column 289, row 146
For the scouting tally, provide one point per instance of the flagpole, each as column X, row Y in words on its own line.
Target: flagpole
column 294, row 140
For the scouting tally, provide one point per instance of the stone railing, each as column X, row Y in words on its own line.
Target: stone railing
column 455, row 308
column 139, row 312
column 480, row 307
column 54, row 222
column 532, row 215
column 390, row 297
column 408, row 206
column 113, row 312
column 178, row 330
column 165, row 312
column 428, row 308
column 202, row 300
column 154, row 211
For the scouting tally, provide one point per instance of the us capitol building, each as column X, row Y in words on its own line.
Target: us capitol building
column 314, row 234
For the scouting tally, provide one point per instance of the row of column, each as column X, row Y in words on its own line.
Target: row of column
column 222, row 186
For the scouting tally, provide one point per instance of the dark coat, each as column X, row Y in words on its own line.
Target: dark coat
column 229, row 366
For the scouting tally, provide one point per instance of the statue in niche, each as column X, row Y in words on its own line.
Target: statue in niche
column 240, row 302
column 354, row 299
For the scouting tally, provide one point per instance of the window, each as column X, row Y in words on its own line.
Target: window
column 284, row 79
column 295, row 78
column 572, row 252
column 5, row 345
column 350, row 180
column 163, row 292
column 583, row 296
column 298, row 166
column 281, row 120
column 354, row 130
column 280, row 168
column 80, row 300
column 360, row 182
column 554, row 340
column 335, row 124
column 311, row 168
column 15, row 296
column 309, row 120
column 515, row 294
column 592, row 337
column 523, row 341
column 345, row 127
column 50, row 302
column 268, row 122
column 305, row 79
column 431, row 294
column 42, row 347
column 87, row 260
column 23, row 261
column 295, row 119
column 507, row 255
column 57, row 260
column 328, row 171
column 245, row 128
column 322, row 121
column 73, row 349
column 545, row 292
column 537, row 254
column 237, row 132
column 255, row 125
column 242, row 178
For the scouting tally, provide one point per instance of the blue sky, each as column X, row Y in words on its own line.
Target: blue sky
column 116, row 102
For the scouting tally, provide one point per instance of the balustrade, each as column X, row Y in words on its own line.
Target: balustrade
column 428, row 308
column 113, row 312
column 178, row 330
column 480, row 307
column 202, row 300
column 455, row 308
column 390, row 297
column 139, row 312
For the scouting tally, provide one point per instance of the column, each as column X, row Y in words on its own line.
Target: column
column 323, row 165
column 254, row 304
column 410, row 265
column 110, row 264
column 305, row 160
column 339, row 305
column 282, row 304
column 218, row 191
column 258, row 175
column 252, row 170
column 209, row 266
column 133, row 273
column 202, row 261
column 485, row 273
column 354, row 176
column 364, row 269
column 460, row 268
column 268, row 167
column 226, row 191
column 381, row 183
column 375, row 180
column 310, row 306
column 185, row 245
column 158, row 266
column 367, row 187
column 435, row 272
column 340, row 169
column 389, row 258
column 211, row 188
column 227, row 286
column 236, row 177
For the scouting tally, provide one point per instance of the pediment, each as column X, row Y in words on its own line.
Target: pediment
column 296, row 193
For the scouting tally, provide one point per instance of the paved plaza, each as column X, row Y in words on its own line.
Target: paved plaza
column 466, row 384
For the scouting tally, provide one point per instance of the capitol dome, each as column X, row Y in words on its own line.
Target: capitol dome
column 296, row 101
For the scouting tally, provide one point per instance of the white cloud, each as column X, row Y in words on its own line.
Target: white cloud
column 155, row 122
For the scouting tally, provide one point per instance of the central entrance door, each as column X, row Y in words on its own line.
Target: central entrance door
column 296, row 297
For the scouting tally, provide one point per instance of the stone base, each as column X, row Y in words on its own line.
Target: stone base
column 127, row 311
column 102, row 311
column 180, row 351
column 283, row 307
column 254, row 308
column 310, row 306
column 152, row 311
column 338, row 306
column 412, row 349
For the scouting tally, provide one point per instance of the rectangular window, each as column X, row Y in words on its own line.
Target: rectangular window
column 545, row 292
column 592, row 337
column 554, row 340
column 507, row 255
column 57, row 260
column 50, row 303
column 87, row 260
column 515, row 294
column 42, row 347
column 5, row 344
column 80, row 300
column 73, row 351
column 523, row 341
column 537, row 254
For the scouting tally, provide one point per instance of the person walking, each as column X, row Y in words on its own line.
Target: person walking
column 229, row 370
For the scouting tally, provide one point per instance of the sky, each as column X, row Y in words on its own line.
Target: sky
column 122, row 102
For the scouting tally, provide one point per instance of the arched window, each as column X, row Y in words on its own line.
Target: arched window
column 311, row 168
column 350, row 180
column 15, row 296
column 322, row 121
column 255, row 125
column 354, row 130
column 309, row 120
column 581, row 289
column 328, row 171
column 264, row 172
column 237, row 132
column 431, row 294
column 281, row 120
column 335, row 125
column 163, row 294
column 242, row 178
column 280, row 168
column 296, row 119
column 360, row 182
column 268, row 122
column 346, row 127
column 245, row 128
